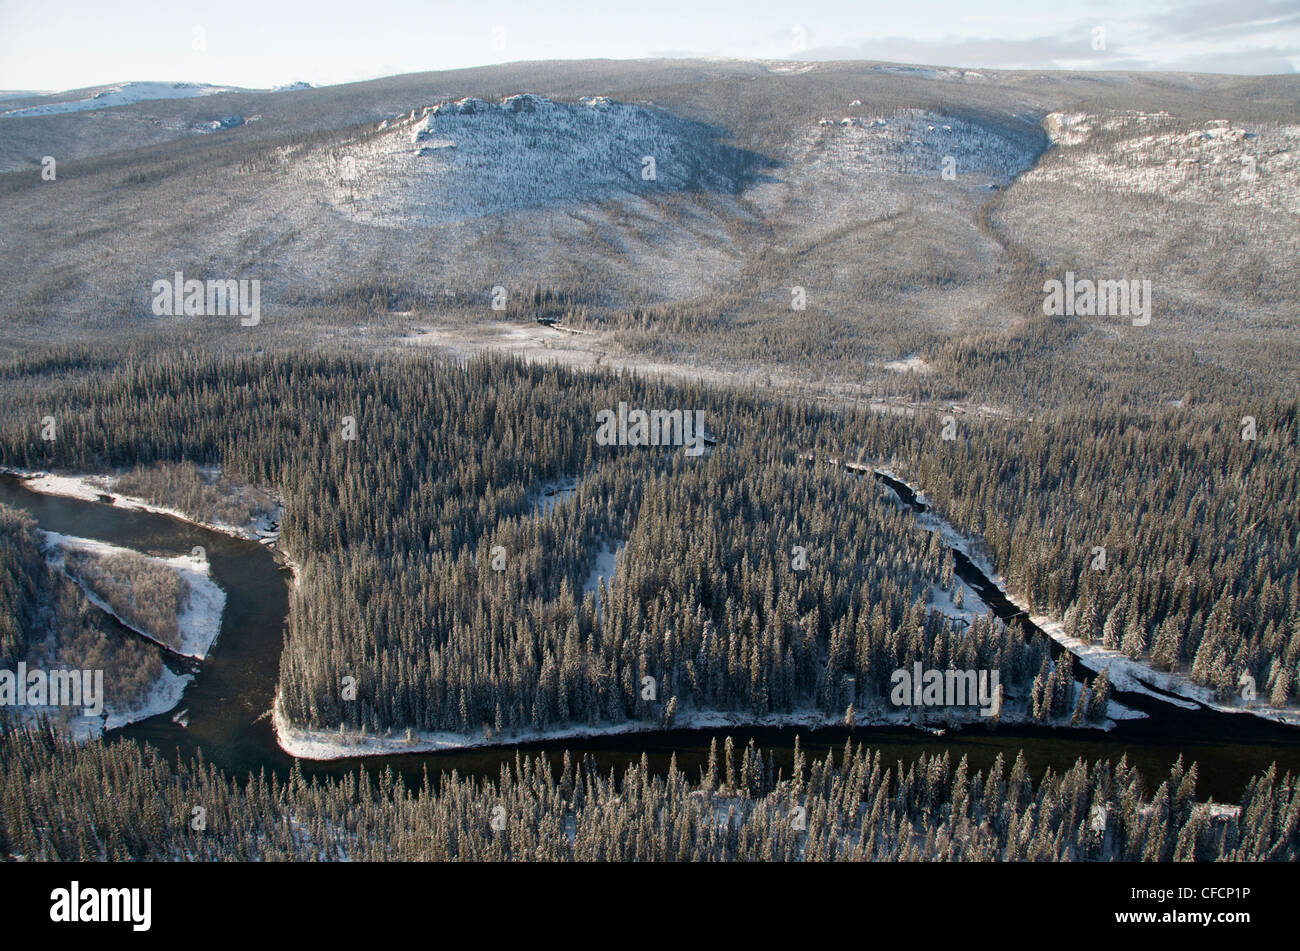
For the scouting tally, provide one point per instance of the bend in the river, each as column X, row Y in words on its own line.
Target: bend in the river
column 229, row 700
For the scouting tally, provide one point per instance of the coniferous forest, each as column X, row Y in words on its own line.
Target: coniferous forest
column 850, row 806
column 394, row 533
column 435, row 467
column 397, row 531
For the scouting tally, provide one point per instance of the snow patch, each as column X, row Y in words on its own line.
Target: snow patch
column 165, row 694
column 972, row 605
column 912, row 364
column 551, row 494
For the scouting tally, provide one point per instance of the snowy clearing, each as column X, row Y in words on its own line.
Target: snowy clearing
column 911, row 364
column 606, row 561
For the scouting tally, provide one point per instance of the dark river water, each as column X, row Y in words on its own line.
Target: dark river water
column 231, row 695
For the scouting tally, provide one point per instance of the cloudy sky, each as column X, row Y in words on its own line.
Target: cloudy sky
column 73, row 43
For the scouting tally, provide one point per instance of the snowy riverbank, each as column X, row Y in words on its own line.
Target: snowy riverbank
column 163, row 695
column 1126, row 674
column 199, row 621
column 330, row 744
column 101, row 488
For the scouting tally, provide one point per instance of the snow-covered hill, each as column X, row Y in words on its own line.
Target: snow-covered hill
column 429, row 191
column 466, row 159
column 1204, row 207
column 846, row 169
column 124, row 94
column 916, row 142
column 1208, row 163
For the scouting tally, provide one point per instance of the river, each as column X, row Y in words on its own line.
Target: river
column 229, row 699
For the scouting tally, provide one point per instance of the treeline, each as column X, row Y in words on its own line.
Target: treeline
column 852, row 807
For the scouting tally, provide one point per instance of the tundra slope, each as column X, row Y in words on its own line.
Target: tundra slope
column 251, row 199
column 801, row 185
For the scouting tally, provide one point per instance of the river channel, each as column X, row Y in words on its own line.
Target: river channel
column 231, row 694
